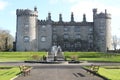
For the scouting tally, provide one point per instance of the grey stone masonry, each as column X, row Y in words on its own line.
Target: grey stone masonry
column 33, row 34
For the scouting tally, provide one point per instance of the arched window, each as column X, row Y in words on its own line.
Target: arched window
column 43, row 38
column 26, row 38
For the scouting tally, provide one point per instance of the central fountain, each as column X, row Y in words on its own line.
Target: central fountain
column 55, row 54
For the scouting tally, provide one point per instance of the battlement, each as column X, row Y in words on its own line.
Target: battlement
column 20, row 12
column 73, row 23
column 103, row 15
column 43, row 22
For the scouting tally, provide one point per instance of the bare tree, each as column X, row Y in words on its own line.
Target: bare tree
column 6, row 40
column 116, row 42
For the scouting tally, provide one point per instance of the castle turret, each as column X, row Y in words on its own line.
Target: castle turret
column 102, row 31
column 94, row 13
column 84, row 18
column 72, row 17
column 26, row 30
column 60, row 17
column 49, row 16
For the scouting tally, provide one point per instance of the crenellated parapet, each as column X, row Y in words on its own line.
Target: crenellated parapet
column 101, row 15
column 73, row 24
column 21, row 12
column 42, row 22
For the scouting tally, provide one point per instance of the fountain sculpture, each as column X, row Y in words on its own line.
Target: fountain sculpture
column 55, row 54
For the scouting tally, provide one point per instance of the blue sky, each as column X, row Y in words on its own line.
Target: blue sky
column 79, row 7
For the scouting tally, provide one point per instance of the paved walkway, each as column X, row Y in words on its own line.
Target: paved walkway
column 55, row 72
column 63, row 71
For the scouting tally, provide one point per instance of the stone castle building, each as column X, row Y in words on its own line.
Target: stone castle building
column 33, row 34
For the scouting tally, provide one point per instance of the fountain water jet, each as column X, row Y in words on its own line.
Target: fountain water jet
column 55, row 54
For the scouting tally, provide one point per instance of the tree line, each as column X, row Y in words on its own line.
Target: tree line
column 6, row 40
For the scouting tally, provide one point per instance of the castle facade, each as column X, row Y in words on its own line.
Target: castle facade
column 33, row 34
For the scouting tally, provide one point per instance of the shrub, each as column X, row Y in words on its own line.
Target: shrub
column 74, row 57
column 35, row 57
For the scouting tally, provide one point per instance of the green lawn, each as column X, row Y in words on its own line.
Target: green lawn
column 85, row 56
column 93, row 56
column 6, row 73
column 111, row 74
column 19, row 56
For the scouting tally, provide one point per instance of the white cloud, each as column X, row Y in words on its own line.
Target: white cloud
column 3, row 4
column 86, row 7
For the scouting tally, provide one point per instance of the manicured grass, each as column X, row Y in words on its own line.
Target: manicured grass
column 19, row 56
column 6, row 73
column 111, row 74
column 93, row 56
column 82, row 56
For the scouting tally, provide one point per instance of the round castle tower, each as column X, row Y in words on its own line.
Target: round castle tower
column 102, row 31
column 26, row 30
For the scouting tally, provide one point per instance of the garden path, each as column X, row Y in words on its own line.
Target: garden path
column 55, row 72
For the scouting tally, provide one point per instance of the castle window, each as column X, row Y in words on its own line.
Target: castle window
column 66, row 45
column 77, row 45
column 26, row 28
column 90, row 29
column 26, row 25
column 55, row 37
column 43, row 26
column 66, row 29
column 26, row 38
column 66, row 36
column 43, row 38
column 54, row 29
column 77, row 29
column 78, row 36
column 90, row 36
